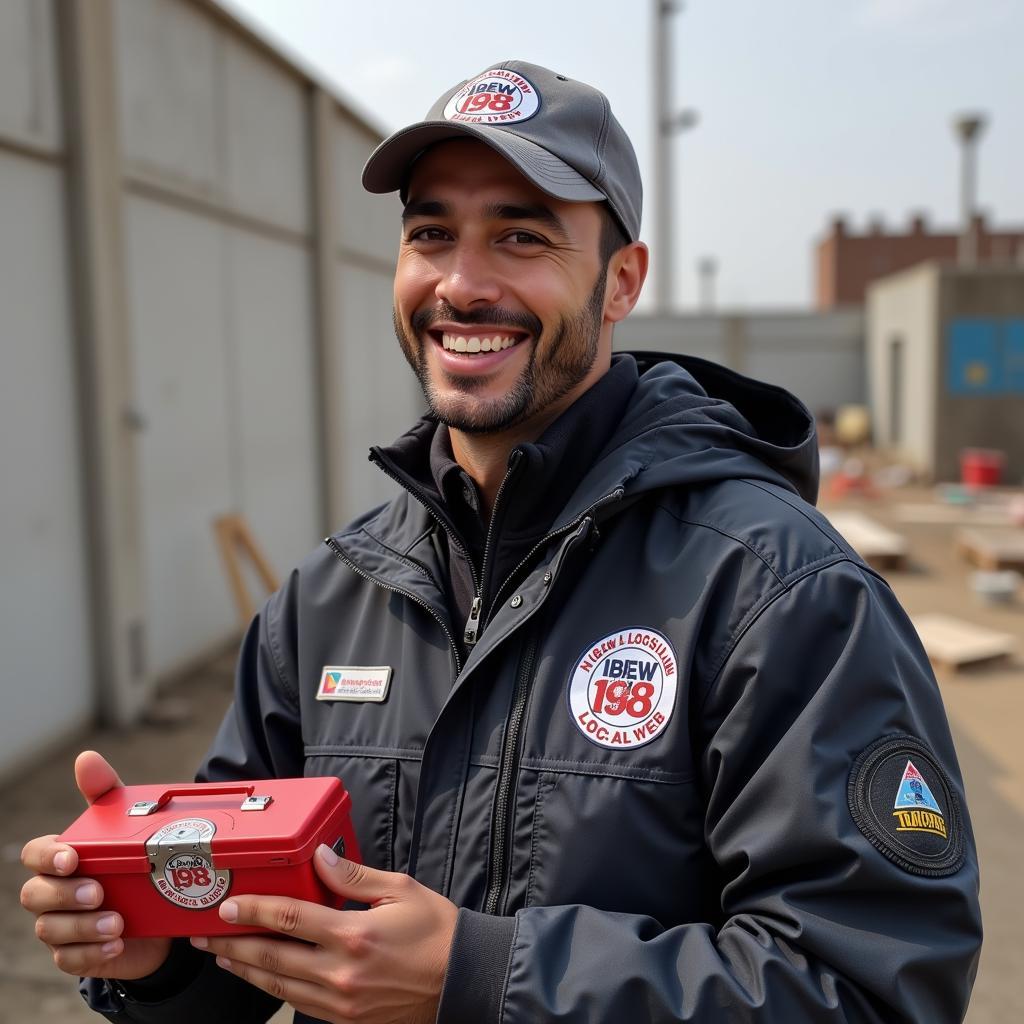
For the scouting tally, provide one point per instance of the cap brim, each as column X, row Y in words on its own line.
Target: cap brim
column 388, row 166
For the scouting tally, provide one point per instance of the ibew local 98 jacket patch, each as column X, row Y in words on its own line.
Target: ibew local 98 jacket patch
column 903, row 802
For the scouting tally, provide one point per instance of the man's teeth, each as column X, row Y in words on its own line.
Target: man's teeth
column 460, row 343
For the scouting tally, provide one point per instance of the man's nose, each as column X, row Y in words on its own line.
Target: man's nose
column 469, row 279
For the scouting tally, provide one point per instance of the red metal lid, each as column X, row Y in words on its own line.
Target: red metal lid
column 279, row 825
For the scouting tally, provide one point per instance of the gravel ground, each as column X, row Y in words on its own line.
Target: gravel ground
column 986, row 709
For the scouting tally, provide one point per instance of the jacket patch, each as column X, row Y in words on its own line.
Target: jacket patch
column 622, row 689
column 364, row 683
column 903, row 802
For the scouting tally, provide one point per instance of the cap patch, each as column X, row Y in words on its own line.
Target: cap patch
column 622, row 690
column 906, row 807
column 498, row 96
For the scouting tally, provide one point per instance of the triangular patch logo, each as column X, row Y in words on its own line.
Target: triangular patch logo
column 914, row 792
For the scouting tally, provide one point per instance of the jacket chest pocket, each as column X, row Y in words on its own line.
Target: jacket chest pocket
column 383, row 790
column 619, row 844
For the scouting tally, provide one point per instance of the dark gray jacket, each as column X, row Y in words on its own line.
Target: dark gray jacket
column 743, row 857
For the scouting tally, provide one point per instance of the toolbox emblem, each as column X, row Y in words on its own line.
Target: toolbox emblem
column 181, row 864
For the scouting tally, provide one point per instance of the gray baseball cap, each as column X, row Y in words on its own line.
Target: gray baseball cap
column 560, row 134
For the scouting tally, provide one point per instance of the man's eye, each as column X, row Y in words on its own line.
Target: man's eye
column 428, row 235
column 525, row 238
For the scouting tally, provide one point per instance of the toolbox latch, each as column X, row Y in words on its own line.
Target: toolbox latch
column 142, row 807
column 256, row 803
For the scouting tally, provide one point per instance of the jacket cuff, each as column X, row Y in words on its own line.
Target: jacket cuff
column 208, row 994
column 474, row 984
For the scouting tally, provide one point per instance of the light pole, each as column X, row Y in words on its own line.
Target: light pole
column 707, row 268
column 667, row 123
column 968, row 128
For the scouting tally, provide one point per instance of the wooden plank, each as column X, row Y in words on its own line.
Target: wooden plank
column 992, row 549
column 953, row 643
column 876, row 544
column 234, row 540
column 959, row 515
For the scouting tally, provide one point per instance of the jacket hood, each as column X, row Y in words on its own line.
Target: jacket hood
column 692, row 422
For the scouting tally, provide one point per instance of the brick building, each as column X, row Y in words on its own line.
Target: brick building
column 846, row 262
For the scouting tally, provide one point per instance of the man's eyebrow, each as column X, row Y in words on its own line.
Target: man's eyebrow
column 527, row 211
column 425, row 208
column 493, row 211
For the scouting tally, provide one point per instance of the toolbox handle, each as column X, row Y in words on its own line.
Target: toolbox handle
column 204, row 789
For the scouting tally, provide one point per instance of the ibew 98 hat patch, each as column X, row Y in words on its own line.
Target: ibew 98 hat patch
column 498, row 96
column 622, row 690
column 905, row 804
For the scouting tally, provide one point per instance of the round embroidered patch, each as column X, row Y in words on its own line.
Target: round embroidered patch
column 498, row 96
column 623, row 688
column 906, row 807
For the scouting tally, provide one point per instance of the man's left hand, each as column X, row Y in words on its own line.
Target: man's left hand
column 379, row 965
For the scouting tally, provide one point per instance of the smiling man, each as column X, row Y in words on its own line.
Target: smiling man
column 638, row 735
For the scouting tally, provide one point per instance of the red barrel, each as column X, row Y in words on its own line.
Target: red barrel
column 981, row 467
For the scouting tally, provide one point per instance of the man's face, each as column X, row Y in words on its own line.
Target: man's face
column 499, row 291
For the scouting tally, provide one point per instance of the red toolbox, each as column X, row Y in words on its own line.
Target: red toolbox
column 166, row 856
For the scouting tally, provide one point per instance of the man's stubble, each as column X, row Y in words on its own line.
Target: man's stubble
column 553, row 370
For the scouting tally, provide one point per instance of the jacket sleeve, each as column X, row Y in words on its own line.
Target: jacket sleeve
column 818, row 922
column 260, row 737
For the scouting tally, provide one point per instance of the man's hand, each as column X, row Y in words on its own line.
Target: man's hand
column 83, row 939
column 378, row 965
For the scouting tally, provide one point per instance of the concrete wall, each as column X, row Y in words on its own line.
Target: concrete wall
column 902, row 311
column 993, row 417
column 46, row 680
column 198, row 322
column 949, row 399
column 817, row 356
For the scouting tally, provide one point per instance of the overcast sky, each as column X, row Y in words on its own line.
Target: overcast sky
column 806, row 107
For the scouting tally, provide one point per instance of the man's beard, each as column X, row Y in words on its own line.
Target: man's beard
column 562, row 364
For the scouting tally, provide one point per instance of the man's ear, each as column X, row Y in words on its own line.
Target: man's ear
column 627, row 270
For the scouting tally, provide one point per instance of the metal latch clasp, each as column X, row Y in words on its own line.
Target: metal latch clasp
column 142, row 807
column 256, row 803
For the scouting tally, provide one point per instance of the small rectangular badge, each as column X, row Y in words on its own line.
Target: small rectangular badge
column 354, row 682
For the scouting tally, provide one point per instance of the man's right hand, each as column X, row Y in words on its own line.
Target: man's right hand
column 83, row 939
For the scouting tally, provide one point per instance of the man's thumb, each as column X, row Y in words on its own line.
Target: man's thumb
column 94, row 775
column 351, row 880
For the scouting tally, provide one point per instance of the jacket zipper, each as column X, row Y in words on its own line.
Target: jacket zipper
column 508, row 769
column 508, row 764
column 336, row 548
column 419, row 496
column 472, row 632
column 615, row 495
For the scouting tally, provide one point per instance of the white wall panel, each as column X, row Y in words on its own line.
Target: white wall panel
column 29, row 109
column 822, row 378
column 267, row 137
column 273, row 390
column 170, row 93
column 178, row 322
column 46, row 679
column 379, row 395
column 367, row 223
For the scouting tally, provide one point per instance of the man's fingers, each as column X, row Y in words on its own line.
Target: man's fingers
column 59, row 929
column 46, row 856
column 94, row 775
column 42, row 894
column 294, row 918
column 87, row 959
column 275, row 956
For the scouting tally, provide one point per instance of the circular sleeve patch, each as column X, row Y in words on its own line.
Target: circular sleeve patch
column 906, row 807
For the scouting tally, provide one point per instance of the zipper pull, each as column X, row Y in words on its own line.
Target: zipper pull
column 472, row 623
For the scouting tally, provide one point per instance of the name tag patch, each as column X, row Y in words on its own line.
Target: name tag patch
column 622, row 690
column 362, row 683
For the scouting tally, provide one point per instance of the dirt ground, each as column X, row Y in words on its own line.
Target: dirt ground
column 985, row 706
